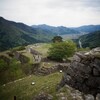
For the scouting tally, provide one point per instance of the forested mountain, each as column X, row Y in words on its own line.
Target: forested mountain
column 14, row 34
column 91, row 40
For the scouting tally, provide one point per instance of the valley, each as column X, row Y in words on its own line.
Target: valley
column 38, row 61
column 49, row 49
column 13, row 34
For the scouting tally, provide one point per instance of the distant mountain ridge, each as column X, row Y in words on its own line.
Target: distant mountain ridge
column 88, row 28
column 60, row 30
column 69, row 30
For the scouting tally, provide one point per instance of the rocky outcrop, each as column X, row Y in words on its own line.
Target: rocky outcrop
column 22, row 58
column 83, row 73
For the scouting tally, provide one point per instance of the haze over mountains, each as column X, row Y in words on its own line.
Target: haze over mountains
column 14, row 34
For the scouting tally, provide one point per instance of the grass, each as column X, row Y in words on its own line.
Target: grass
column 40, row 47
column 43, row 48
column 23, row 89
column 29, row 55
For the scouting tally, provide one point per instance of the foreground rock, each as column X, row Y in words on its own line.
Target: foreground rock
column 43, row 96
column 83, row 73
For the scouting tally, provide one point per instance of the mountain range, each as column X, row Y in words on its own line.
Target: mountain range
column 60, row 30
column 14, row 34
column 88, row 28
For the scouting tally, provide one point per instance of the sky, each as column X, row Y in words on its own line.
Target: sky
column 70, row 13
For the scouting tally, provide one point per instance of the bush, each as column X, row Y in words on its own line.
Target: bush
column 10, row 72
column 62, row 50
column 57, row 39
column 20, row 48
column 6, row 59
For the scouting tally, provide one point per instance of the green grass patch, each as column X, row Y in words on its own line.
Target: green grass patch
column 23, row 89
column 43, row 48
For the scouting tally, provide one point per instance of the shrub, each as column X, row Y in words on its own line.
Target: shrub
column 20, row 48
column 6, row 59
column 57, row 39
column 3, row 65
column 61, row 50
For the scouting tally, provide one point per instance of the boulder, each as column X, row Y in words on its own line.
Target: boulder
column 43, row 96
column 98, row 97
column 89, row 97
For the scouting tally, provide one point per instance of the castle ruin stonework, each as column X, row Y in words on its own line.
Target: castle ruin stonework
column 83, row 73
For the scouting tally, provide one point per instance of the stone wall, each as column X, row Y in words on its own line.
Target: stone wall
column 83, row 73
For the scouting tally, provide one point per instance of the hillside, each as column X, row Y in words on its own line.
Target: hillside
column 91, row 40
column 14, row 34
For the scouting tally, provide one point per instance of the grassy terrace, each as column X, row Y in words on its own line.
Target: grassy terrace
column 23, row 89
column 42, row 48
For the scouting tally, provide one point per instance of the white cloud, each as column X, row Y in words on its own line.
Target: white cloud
column 52, row 12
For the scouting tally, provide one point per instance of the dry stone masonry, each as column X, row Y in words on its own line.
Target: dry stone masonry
column 83, row 73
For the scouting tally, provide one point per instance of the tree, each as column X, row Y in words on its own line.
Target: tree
column 57, row 39
column 61, row 50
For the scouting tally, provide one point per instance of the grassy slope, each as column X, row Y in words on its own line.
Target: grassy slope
column 43, row 48
column 25, row 91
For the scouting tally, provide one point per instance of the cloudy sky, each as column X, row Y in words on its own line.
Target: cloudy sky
column 52, row 12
